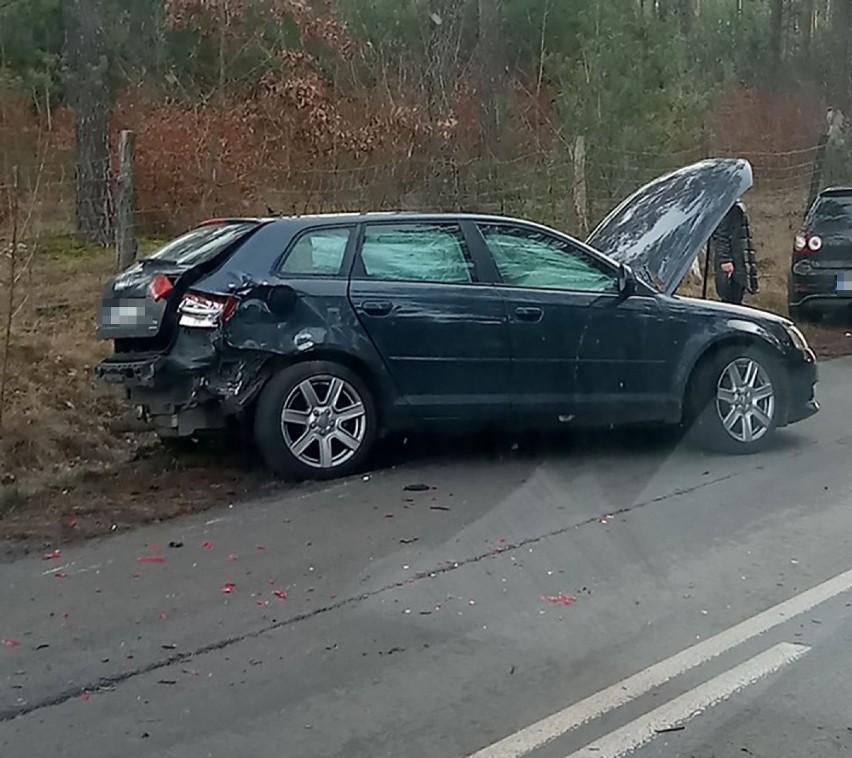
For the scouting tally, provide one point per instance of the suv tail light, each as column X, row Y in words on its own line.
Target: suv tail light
column 205, row 311
column 807, row 243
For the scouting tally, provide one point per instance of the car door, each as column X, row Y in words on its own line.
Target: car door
column 580, row 349
column 440, row 329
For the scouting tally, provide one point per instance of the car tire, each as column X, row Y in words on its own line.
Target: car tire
column 303, row 432
column 736, row 399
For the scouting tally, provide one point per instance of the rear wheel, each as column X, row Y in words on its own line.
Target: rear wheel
column 737, row 401
column 315, row 421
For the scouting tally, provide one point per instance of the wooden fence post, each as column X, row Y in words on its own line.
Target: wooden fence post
column 126, row 244
column 581, row 205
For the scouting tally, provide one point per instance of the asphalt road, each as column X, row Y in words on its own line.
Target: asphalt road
column 590, row 600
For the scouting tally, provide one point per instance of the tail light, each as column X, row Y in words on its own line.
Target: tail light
column 206, row 311
column 807, row 243
column 160, row 287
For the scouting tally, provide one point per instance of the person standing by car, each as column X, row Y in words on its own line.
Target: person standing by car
column 733, row 257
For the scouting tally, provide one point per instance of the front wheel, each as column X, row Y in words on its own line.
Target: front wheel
column 737, row 401
column 315, row 421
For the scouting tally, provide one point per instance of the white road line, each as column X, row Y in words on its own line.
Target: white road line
column 680, row 710
column 542, row 732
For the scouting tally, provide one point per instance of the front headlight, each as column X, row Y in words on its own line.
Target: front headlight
column 796, row 336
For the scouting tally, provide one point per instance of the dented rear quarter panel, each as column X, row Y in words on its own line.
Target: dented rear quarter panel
column 284, row 320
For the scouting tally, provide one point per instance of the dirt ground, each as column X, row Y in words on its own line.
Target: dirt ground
column 71, row 467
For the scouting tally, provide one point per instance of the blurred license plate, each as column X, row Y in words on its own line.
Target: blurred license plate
column 844, row 283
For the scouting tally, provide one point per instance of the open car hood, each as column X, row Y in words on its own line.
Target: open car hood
column 660, row 229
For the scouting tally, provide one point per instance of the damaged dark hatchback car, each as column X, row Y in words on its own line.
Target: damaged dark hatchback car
column 324, row 332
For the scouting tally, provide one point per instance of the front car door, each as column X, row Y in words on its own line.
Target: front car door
column 579, row 348
column 439, row 327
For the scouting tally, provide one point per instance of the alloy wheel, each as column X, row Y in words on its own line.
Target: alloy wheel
column 745, row 400
column 324, row 421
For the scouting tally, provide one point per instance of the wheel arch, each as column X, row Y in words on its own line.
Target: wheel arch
column 377, row 387
column 689, row 404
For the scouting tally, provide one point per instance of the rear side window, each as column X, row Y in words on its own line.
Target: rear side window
column 416, row 253
column 318, row 252
column 203, row 244
column 831, row 214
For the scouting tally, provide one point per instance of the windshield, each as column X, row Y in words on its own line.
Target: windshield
column 831, row 214
column 202, row 244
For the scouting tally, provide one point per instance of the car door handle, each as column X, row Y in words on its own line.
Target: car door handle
column 529, row 314
column 376, row 307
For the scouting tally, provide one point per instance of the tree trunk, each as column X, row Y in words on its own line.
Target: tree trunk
column 776, row 31
column 686, row 16
column 841, row 22
column 84, row 46
column 490, row 71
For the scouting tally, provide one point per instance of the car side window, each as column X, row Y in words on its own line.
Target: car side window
column 416, row 252
column 317, row 252
column 532, row 258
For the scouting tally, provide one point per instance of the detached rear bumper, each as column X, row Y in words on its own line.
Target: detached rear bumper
column 194, row 387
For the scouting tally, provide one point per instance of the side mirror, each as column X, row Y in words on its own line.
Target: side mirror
column 626, row 280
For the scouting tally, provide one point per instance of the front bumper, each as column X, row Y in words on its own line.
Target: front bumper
column 801, row 402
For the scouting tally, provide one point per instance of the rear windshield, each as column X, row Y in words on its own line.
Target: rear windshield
column 831, row 214
column 202, row 244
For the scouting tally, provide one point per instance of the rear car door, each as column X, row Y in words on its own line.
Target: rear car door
column 440, row 329
column 579, row 348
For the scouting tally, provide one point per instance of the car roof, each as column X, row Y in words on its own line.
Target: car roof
column 833, row 191
column 350, row 217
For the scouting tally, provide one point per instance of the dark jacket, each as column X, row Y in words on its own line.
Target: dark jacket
column 730, row 243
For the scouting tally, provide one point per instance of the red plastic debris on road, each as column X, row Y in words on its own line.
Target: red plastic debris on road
column 86, row 696
column 559, row 599
column 233, row 557
column 261, row 548
column 10, row 643
column 151, row 559
column 206, row 545
column 228, row 588
column 60, row 575
column 54, row 556
column 164, row 616
column 280, row 594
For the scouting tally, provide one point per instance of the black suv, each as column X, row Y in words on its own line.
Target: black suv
column 821, row 269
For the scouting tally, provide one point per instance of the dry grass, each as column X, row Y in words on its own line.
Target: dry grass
column 56, row 416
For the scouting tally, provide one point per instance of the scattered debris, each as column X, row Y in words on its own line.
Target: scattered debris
column 60, row 575
column 668, row 729
column 206, row 545
column 169, row 647
column 42, row 646
column 410, row 541
column 167, row 681
column 151, row 559
column 233, row 557
column 366, row 478
column 85, row 696
column 164, row 616
column 438, row 508
column 175, row 545
column 416, row 488
column 280, row 594
column 228, row 588
column 393, row 650
column 261, row 548
column 54, row 556
column 560, row 599
column 9, row 643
